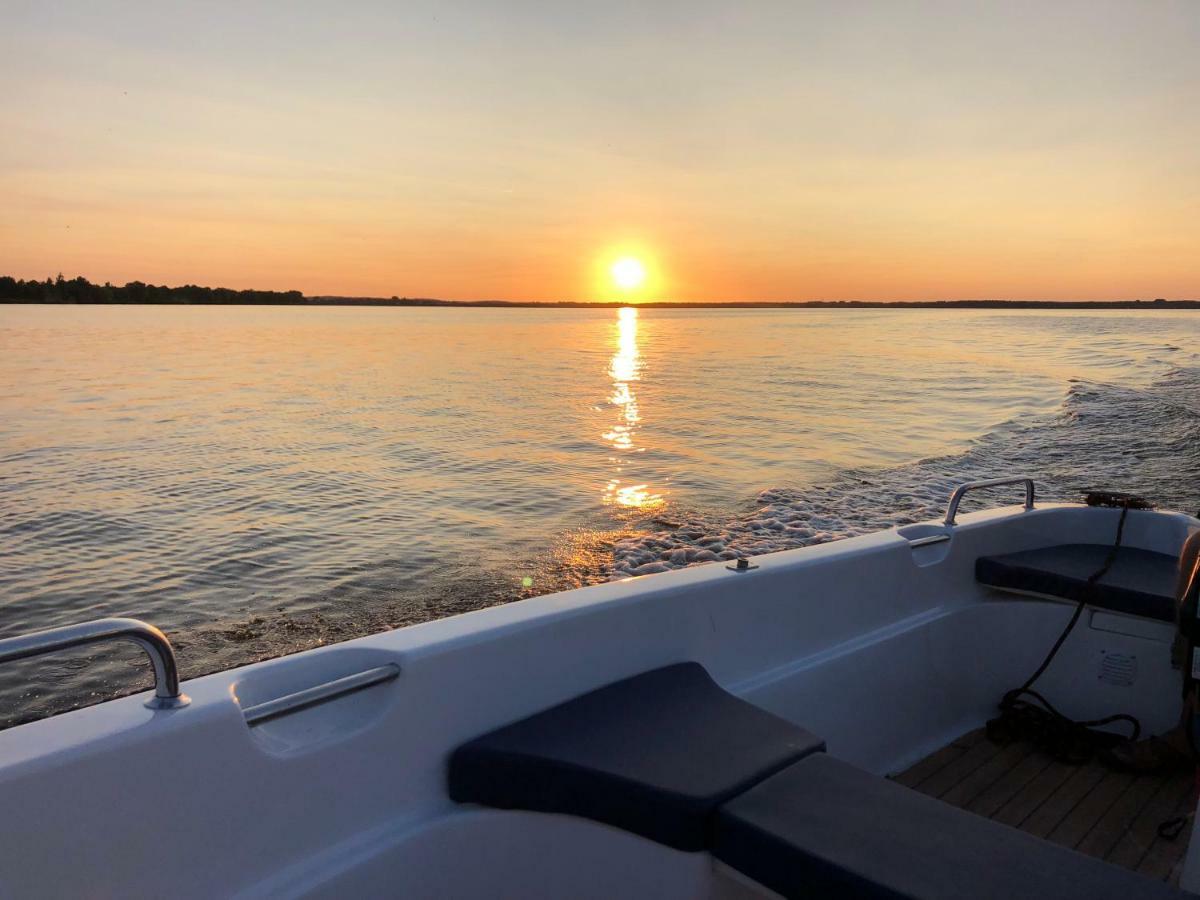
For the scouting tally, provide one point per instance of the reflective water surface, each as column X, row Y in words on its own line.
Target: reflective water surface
column 257, row 480
column 625, row 370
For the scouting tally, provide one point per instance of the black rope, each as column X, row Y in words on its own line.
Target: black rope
column 1091, row 582
column 1027, row 715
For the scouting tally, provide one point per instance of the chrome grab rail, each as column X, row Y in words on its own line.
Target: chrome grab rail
column 162, row 657
column 961, row 490
column 929, row 539
column 321, row 693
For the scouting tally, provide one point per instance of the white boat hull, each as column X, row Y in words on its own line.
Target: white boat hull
column 886, row 650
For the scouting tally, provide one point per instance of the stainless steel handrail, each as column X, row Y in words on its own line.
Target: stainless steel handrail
column 321, row 693
column 961, row 490
column 928, row 539
column 166, row 674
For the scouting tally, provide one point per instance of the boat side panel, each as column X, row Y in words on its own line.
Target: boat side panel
column 473, row 852
column 855, row 640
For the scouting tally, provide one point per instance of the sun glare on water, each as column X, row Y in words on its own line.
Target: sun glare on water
column 628, row 273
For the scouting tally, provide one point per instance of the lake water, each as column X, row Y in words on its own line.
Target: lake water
column 259, row 480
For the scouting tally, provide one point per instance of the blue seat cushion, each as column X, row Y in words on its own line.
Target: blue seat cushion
column 654, row 754
column 823, row 828
column 1139, row 583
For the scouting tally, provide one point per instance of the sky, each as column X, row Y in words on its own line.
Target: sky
column 513, row 150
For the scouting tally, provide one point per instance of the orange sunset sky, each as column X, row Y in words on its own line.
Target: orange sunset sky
column 473, row 150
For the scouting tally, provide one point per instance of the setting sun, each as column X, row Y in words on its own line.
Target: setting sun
column 628, row 273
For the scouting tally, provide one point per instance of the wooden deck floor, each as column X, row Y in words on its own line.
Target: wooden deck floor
column 1106, row 814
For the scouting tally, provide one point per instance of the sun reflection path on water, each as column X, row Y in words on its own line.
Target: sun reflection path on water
column 625, row 370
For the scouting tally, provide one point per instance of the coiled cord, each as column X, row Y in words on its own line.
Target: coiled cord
column 1025, row 715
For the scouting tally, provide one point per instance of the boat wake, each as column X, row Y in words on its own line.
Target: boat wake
column 1142, row 440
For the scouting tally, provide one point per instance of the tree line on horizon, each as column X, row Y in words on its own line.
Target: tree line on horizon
column 80, row 290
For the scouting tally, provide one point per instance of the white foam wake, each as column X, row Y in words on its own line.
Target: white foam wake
column 1141, row 440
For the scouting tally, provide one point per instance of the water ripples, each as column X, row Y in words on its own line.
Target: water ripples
column 260, row 480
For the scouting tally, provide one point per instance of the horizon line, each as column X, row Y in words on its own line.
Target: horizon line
column 81, row 291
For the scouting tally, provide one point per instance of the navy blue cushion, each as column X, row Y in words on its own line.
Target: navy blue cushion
column 655, row 754
column 822, row 828
column 1139, row 583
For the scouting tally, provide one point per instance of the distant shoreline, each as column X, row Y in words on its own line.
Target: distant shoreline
column 79, row 291
column 766, row 304
column 616, row 304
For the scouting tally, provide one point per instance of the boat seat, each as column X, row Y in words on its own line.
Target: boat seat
column 673, row 757
column 654, row 754
column 823, row 828
column 1139, row 583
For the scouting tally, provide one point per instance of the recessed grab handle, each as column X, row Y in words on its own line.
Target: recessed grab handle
column 961, row 490
column 321, row 693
